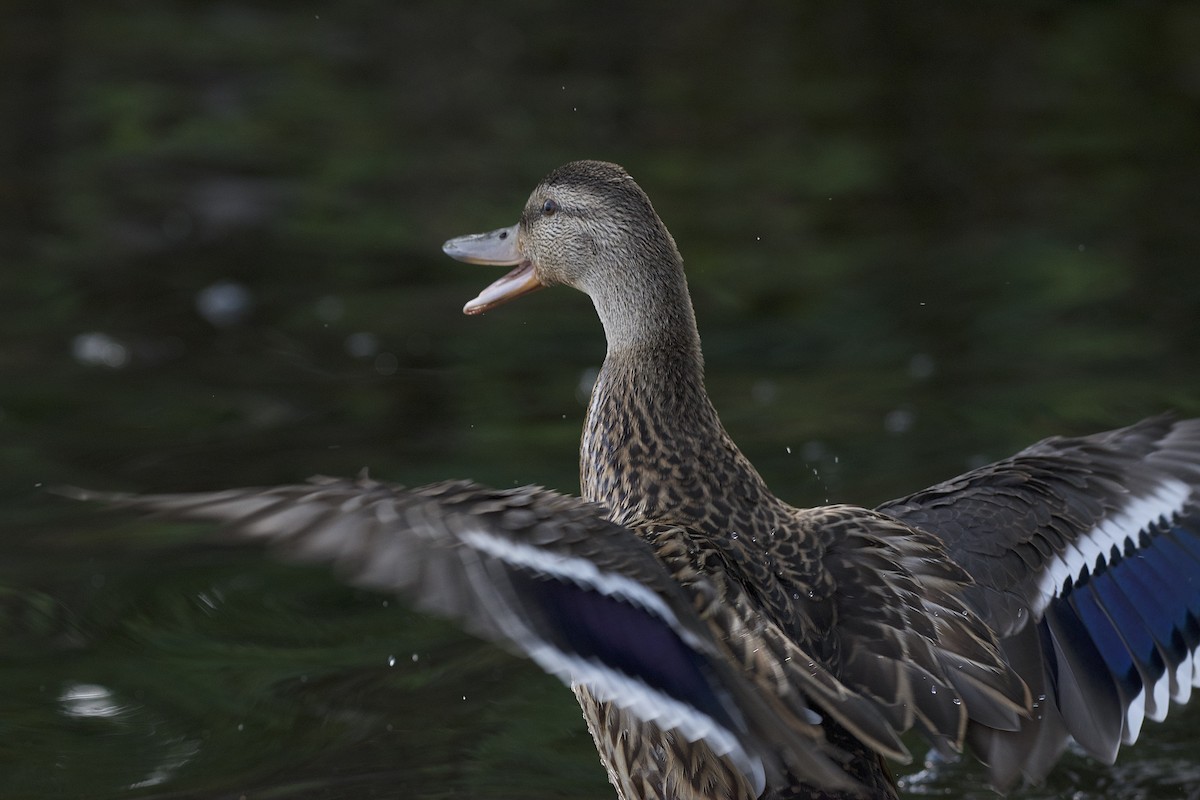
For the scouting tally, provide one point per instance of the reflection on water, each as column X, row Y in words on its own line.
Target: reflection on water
column 85, row 700
column 88, row 700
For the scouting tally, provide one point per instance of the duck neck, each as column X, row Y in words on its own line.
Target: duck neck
column 653, row 446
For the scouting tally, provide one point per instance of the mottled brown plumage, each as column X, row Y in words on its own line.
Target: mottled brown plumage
column 723, row 644
column 653, row 449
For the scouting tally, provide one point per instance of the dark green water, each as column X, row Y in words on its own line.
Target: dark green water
column 918, row 239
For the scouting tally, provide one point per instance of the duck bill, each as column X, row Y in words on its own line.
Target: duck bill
column 498, row 248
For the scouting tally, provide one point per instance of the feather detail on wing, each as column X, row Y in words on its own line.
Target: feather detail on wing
column 904, row 637
column 549, row 577
column 1086, row 557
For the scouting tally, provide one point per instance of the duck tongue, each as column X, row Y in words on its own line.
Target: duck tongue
column 498, row 247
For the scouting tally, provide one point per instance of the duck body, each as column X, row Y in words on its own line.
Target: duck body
column 724, row 644
column 655, row 455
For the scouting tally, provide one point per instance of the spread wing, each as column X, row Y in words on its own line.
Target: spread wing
column 905, row 637
column 1086, row 557
column 549, row 577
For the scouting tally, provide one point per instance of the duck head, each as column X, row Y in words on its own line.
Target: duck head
column 587, row 225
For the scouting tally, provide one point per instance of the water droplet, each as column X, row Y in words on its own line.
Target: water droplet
column 386, row 364
column 899, row 421
column 587, row 381
column 764, row 392
column 921, row 366
column 329, row 308
column 361, row 344
column 224, row 303
column 99, row 349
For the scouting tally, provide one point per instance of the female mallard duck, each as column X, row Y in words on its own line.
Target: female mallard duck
column 724, row 644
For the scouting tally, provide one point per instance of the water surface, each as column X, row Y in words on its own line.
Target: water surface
column 917, row 240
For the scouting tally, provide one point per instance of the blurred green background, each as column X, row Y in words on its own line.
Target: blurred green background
column 918, row 238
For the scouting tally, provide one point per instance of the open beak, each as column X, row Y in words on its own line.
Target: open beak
column 497, row 247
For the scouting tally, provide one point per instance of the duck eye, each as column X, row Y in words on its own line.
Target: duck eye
column 548, row 208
